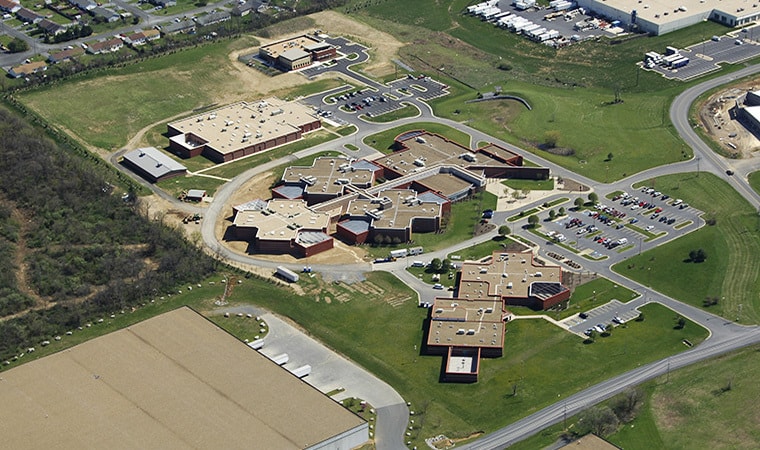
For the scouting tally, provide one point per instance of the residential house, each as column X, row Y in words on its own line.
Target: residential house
column 27, row 69
column 65, row 55
column 141, row 37
column 85, row 5
column 212, row 18
column 51, row 28
column 245, row 8
column 108, row 15
column 9, row 6
column 185, row 26
column 28, row 16
column 110, row 45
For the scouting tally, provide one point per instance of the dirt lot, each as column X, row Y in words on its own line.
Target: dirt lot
column 716, row 118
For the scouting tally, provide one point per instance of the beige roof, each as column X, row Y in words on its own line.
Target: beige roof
column 173, row 381
column 240, row 125
column 330, row 175
column 666, row 11
column 507, row 274
column 447, row 184
column 299, row 42
column 282, row 220
column 590, row 442
column 398, row 212
column 466, row 323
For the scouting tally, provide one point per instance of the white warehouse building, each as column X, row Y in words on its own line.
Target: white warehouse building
column 663, row 16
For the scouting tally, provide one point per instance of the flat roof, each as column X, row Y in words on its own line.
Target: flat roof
column 506, row 274
column 294, row 54
column 275, row 49
column 668, row 10
column 446, row 183
column 328, row 175
column 153, row 161
column 173, row 381
column 398, row 212
column 282, row 220
column 461, row 322
column 240, row 125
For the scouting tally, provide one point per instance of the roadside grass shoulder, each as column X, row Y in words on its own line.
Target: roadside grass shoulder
column 754, row 181
column 174, row 186
column 731, row 272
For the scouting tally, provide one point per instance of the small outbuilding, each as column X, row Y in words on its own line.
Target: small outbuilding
column 152, row 164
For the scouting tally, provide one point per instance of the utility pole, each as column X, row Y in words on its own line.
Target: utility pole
column 667, row 374
column 698, row 158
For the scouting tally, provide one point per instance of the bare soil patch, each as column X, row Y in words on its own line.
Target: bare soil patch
column 717, row 117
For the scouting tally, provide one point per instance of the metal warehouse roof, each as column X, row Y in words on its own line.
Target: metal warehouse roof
column 153, row 161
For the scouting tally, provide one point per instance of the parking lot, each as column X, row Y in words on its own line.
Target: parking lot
column 708, row 55
column 622, row 224
column 613, row 312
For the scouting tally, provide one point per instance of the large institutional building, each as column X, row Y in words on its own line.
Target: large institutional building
column 384, row 200
column 296, row 52
column 240, row 129
column 173, row 381
column 471, row 325
column 663, row 16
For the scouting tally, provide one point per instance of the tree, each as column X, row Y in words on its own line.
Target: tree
column 551, row 138
column 504, row 230
column 525, row 192
column 593, row 198
column 680, row 323
column 552, row 215
column 436, row 264
column 600, row 420
column 626, row 405
column 561, row 211
column 533, row 220
column 17, row 45
column 578, row 203
column 697, row 255
column 445, row 265
column 609, row 156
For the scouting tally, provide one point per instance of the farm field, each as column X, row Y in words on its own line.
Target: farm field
column 731, row 272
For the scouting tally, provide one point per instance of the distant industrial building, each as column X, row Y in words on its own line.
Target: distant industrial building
column 173, row 381
column 296, row 52
column 747, row 111
column 325, row 179
column 240, row 129
column 152, row 164
column 282, row 226
column 663, row 16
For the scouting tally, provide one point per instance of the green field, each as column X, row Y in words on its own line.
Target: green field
column 731, row 272
column 111, row 106
column 754, row 181
column 530, row 185
column 174, row 186
column 686, row 409
column 383, row 141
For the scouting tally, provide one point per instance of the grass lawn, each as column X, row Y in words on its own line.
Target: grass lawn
column 483, row 249
column 383, row 141
column 459, row 409
column 587, row 296
column 306, row 90
column 731, row 272
column 174, row 186
column 754, row 181
column 346, row 130
column 234, row 169
column 406, row 111
column 530, row 185
column 111, row 106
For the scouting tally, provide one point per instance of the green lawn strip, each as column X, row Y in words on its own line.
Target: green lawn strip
column 553, row 241
column 649, row 235
column 158, row 88
column 683, row 224
column 231, row 170
column 245, row 328
column 613, row 194
column 622, row 249
column 531, row 185
column 459, row 409
column 174, row 186
column 427, row 275
column 754, row 181
column 306, row 90
column 351, row 147
column 461, row 222
column 558, row 201
column 346, row 130
column 383, row 141
column 403, row 113
column 522, row 214
column 592, row 258
column 483, row 249
column 731, row 272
